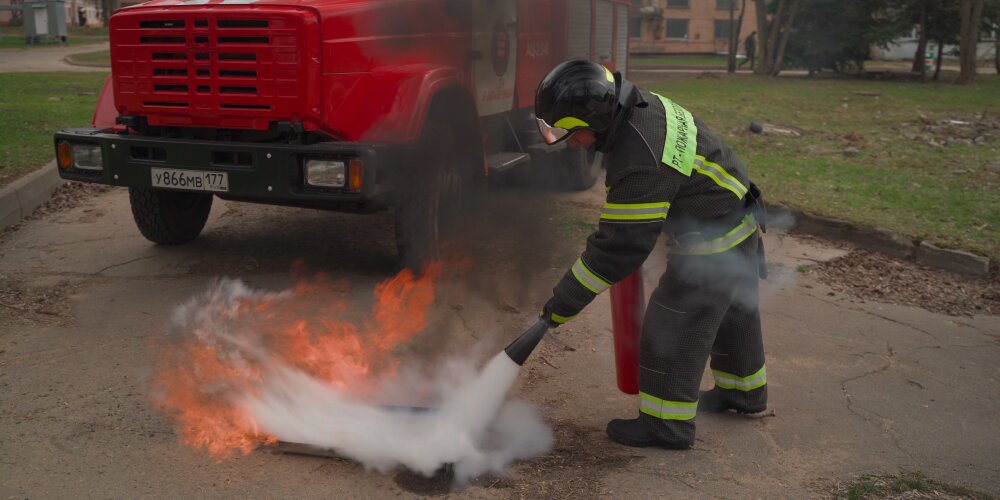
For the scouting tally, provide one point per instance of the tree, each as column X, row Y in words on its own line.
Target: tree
column 971, row 12
column 774, row 26
column 991, row 24
column 734, row 33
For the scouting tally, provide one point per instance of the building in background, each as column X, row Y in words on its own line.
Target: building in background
column 686, row 26
column 78, row 13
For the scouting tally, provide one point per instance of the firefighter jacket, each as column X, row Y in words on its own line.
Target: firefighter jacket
column 666, row 172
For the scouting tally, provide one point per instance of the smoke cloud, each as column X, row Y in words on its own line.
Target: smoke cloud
column 231, row 382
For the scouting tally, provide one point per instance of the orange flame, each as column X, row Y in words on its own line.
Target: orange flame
column 219, row 357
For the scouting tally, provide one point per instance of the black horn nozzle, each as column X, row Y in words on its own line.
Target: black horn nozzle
column 521, row 347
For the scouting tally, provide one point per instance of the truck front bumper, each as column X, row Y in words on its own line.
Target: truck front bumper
column 257, row 172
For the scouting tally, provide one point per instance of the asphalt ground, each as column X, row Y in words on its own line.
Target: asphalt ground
column 856, row 386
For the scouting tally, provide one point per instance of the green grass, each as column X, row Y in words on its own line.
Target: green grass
column 12, row 37
column 907, row 485
column 947, row 195
column 101, row 58
column 34, row 106
column 678, row 61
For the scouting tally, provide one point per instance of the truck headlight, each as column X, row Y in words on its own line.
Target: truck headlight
column 87, row 157
column 325, row 173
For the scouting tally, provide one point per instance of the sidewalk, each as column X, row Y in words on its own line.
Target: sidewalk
column 47, row 59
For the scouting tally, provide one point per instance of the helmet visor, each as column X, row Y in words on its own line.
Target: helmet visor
column 552, row 135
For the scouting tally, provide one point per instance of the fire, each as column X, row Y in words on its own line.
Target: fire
column 225, row 337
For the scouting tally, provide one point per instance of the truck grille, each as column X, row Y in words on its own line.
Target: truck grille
column 216, row 67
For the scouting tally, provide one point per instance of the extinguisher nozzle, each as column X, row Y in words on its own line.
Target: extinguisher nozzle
column 521, row 347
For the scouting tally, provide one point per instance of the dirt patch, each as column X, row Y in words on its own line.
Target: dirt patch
column 21, row 303
column 973, row 130
column 573, row 469
column 909, row 485
column 873, row 276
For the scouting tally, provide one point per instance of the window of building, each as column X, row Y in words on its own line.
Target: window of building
column 726, row 4
column 635, row 27
column 722, row 28
column 678, row 4
column 677, row 29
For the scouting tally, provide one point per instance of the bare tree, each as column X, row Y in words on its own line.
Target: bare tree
column 971, row 14
column 773, row 34
column 734, row 33
column 918, row 57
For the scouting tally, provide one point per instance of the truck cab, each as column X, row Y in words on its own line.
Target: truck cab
column 347, row 105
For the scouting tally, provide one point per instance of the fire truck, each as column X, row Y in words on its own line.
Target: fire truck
column 346, row 105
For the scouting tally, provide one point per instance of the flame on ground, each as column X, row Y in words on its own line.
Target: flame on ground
column 222, row 339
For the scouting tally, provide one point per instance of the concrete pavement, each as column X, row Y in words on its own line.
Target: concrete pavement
column 856, row 387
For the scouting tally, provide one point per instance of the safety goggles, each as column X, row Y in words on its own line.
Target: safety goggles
column 553, row 134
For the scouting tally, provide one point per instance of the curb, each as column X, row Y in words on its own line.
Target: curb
column 880, row 240
column 21, row 197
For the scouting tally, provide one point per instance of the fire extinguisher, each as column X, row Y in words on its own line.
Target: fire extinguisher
column 627, row 308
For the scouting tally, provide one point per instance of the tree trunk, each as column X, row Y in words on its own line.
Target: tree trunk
column 996, row 48
column 918, row 58
column 937, row 61
column 779, row 58
column 733, row 39
column 972, row 13
column 762, row 47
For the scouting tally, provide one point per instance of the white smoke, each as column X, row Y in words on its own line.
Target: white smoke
column 468, row 423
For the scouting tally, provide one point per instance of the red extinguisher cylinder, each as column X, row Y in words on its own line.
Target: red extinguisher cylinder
column 627, row 308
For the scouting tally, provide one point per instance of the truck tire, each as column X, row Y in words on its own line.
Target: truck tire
column 432, row 196
column 581, row 167
column 169, row 217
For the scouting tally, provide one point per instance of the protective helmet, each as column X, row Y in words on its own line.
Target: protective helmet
column 577, row 94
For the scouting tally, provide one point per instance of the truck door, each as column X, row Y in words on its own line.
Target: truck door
column 495, row 46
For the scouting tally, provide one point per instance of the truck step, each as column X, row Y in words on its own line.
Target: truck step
column 498, row 162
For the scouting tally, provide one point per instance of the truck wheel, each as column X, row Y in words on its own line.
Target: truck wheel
column 581, row 167
column 432, row 195
column 169, row 217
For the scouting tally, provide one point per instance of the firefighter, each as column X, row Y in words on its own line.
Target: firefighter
column 666, row 172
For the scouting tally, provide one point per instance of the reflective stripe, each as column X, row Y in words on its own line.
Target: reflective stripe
column 635, row 212
column 588, row 279
column 682, row 137
column 721, row 244
column 667, row 410
column 570, row 122
column 750, row 382
column 561, row 319
column 720, row 176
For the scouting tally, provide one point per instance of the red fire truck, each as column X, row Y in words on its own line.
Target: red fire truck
column 348, row 105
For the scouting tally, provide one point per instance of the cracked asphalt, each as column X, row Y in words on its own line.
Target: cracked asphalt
column 856, row 386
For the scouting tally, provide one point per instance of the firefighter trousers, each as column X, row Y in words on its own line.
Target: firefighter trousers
column 703, row 304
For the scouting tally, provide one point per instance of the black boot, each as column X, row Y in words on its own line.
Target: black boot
column 637, row 433
column 716, row 401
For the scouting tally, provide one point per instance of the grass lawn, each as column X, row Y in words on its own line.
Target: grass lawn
column 101, row 58
column 900, row 180
column 34, row 106
column 12, row 37
column 693, row 61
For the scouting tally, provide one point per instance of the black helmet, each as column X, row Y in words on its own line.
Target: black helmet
column 577, row 94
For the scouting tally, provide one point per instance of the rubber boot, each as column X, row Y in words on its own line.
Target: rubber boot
column 636, row 433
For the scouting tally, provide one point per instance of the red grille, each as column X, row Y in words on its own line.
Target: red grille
column 228, row 67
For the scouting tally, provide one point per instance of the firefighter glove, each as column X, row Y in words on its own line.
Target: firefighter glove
column 556, row 313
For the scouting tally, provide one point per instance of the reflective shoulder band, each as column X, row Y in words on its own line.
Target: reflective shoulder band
column 666, row 410
column 635, row 212
column 588, row 279
column 720, row 176
column 723, row 243
column 682, row 137
column 750, row 382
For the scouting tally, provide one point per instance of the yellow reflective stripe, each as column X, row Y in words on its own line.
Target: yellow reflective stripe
column 750, row 382
column 720, row 176
column 681, row 142
column 561, row 319
column 610, row 76
column 570, row 122
column 588, row 279
column 666, row 410
column 738, row 235
column 635, row 212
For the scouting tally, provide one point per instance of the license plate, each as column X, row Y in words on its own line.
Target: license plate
column 195, row 180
